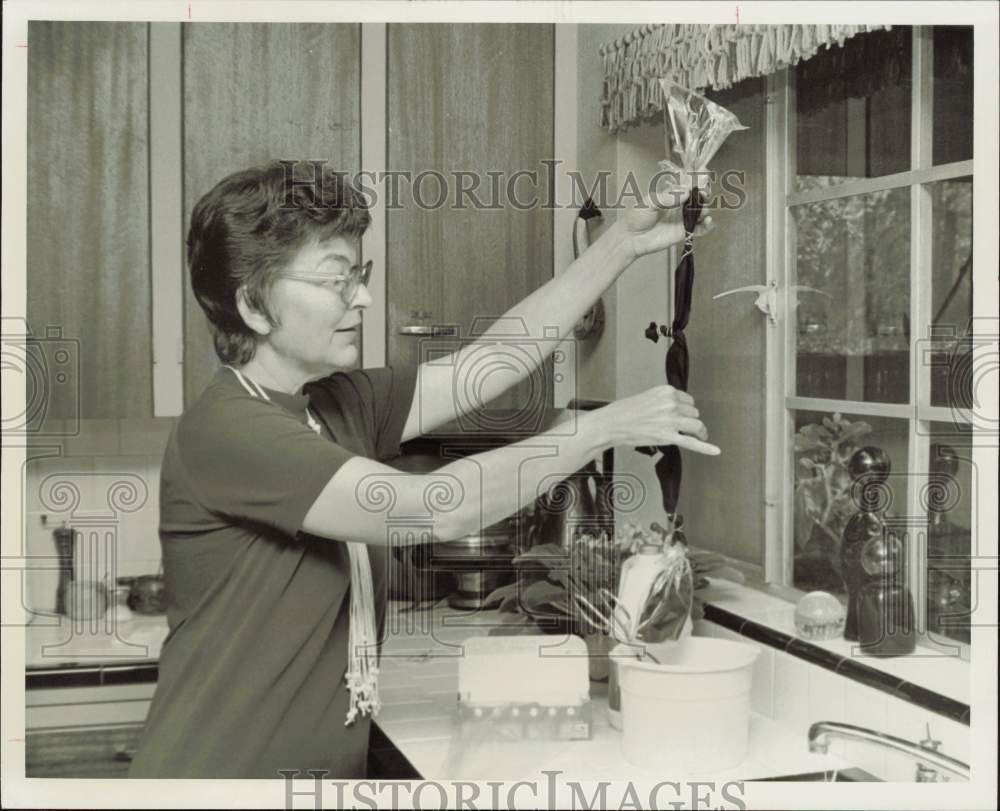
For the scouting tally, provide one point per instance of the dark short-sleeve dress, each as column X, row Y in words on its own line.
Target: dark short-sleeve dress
column 251, row 676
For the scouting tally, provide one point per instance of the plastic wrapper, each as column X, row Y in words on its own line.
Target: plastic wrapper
column 668, row 609
column 697, row 127
column 655, row 598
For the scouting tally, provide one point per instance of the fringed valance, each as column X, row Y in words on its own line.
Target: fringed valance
column 702, row 56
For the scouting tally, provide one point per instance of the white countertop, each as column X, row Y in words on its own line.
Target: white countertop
column 943, row 672
column 60, row 642
column 419, row 687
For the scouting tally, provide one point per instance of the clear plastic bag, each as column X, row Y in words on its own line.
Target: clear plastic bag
column 668, row 609
column 697, row 127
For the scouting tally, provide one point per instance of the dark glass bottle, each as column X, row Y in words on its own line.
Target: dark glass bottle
column 886, row 624
column 880, row 606
column 948, row 545
column 861, row 528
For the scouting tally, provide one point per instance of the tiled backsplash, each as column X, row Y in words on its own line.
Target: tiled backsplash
column 797, row 693
column 105, row 483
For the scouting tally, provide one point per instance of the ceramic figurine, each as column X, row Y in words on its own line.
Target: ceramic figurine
column 869, row 468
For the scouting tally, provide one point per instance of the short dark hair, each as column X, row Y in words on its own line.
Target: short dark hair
column 249, row 226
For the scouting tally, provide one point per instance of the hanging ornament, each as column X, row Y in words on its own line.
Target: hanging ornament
column 697, row 128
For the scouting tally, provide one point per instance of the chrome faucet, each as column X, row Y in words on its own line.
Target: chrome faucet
column 929, row 761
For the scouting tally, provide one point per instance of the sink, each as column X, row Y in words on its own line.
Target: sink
column 851, row 775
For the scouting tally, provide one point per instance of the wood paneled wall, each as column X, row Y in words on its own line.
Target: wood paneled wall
column 88, row 213
column 722, row 497
column 471, row 98
column 255, row 93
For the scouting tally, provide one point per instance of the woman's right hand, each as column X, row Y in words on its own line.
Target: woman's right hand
column 661, row 415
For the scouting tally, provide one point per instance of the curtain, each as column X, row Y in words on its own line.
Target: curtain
column 702, row 56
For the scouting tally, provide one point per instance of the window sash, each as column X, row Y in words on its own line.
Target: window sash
column 782, row 400
column 915, row 176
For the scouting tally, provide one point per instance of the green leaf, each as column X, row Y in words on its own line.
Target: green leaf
column 497, row 596
column 856, row 431
column 513, row 625
column 729, row 573
column 542, row 593
column 561, row 576
column 805, row 444
column 812, row 496
column 550, row 555
column 511, row 604
column 702, row 558
column 803, row 521
column 840, row 481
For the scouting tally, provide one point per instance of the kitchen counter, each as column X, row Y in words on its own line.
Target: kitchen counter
column 419, row 685
column 59, row 643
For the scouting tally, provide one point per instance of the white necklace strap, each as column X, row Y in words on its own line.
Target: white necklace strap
column 312, row 422
column 254, row 389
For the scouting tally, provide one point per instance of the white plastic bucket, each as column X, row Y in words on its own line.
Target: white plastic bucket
column 690, row 714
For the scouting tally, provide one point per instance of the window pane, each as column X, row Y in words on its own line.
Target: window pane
column 952, row 93
column 853, row 110
column 823, row 500
column 951, row 292
column 949, row 536
column 853, row 268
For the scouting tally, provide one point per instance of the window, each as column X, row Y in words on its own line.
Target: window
column 870, row 194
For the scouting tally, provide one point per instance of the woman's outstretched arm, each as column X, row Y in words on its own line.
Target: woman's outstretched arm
column 369, row 502
column 546, row 315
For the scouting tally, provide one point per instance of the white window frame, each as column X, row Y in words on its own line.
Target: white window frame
column 780, row 356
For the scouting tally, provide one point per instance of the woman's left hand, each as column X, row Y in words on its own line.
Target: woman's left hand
column 657, row 223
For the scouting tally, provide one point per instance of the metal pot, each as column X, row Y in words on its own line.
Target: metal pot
column 147, row 593
column 466, row 569
column 481, row 563
column 474, row 587
column 411, row 575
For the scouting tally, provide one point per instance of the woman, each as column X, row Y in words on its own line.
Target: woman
column 273, row 555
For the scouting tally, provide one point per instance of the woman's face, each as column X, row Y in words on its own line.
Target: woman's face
column 317, row 330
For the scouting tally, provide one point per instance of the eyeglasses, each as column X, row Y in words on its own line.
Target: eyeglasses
column 343, row 284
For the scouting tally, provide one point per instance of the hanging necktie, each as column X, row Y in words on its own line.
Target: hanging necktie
column 668, row 467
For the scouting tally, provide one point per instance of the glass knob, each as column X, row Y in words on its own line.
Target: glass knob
column 819, row 615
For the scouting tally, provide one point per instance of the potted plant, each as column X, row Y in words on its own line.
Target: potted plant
column 823, row 503
column 565, row 590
